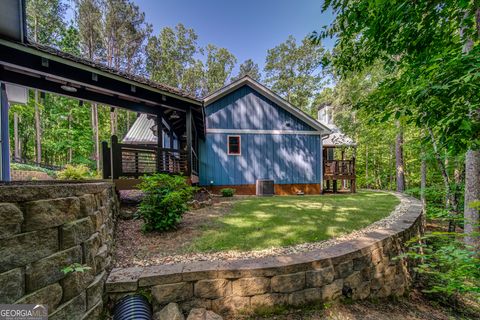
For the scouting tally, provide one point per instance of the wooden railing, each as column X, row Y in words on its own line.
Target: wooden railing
column 339, row 168
column 132, row 160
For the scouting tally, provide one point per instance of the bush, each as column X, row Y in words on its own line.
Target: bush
column 165, row 201
column 75, row 172
column 445, row 265
column 227, row 192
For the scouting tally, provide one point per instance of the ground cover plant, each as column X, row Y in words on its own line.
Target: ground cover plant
column 258, row 223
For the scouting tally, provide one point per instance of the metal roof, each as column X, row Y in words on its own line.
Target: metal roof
column 141, row 132
column 337, row 138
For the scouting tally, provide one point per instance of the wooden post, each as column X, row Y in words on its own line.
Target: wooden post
column 106, row 161
column 116, row 158
column 188, row 123
column 16, row 154
column 159, row 141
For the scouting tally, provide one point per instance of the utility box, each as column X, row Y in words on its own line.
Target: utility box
column 265, row 187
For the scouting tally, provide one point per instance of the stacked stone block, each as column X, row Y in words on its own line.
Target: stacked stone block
column 45, row 228
column 364, row 267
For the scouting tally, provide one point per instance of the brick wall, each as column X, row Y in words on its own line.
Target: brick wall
column 45, row 228
column 363, row 267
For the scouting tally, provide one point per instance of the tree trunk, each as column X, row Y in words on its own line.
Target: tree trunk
column 38, row 131
column 472, row 172
column 95, row 135
column 16, row 140
column 366, row 166
column 472, row 193
column 423, row 180
column 399, row 159
column 70, row 149
column 113, row 121
column 450, row 198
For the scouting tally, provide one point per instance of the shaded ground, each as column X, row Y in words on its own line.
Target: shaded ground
column 414, row 307
column 133, row 247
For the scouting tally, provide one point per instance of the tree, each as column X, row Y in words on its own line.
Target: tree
column 294, row 71
column 170, row 58
column 89, row 21
column 44, row 24
column 433, row 49
column 250, row 68
column 219, row 66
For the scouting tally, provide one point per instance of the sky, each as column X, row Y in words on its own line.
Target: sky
column 247, row 28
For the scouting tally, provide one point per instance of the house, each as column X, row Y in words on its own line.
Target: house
column 252, row 133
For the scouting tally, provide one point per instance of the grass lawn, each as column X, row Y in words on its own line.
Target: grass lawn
column 260, row 223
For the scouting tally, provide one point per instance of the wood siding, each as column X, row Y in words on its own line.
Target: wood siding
column 285, row 158
column 247, row 109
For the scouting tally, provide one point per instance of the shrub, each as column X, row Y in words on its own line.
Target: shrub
column 75, row 172
column 445, row 265
column 165, row 201
column 227, row 192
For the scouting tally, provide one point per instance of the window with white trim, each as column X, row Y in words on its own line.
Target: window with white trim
column 234, row 145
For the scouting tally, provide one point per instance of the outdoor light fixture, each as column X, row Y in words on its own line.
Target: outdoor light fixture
column 68, row 88
column 174, row 115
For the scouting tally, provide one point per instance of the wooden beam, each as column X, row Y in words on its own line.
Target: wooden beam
column 188, row 124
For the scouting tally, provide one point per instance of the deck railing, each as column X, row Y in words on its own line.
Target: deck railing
column 339, row 168
column 134, row 161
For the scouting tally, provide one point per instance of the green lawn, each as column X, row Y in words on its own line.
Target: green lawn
column 259, row 223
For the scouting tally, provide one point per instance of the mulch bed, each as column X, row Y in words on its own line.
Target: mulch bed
column 135, row 248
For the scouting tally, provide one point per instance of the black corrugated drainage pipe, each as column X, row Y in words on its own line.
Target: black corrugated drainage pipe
column 135, row 307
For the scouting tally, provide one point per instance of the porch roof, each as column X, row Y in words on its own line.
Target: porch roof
column 48, row 69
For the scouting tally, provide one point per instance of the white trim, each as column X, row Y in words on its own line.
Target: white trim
column 239, row 145
column 269, row 94
column 274, row 132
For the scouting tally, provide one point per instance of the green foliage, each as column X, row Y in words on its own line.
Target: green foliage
column 227, row 192
column 75, row 172
column 249, row 68
column 445, row 265
column 294, row 71
column 165, row 201
column 28, row 167
column 75, row 267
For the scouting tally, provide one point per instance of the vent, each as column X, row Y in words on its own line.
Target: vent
column 265, row 187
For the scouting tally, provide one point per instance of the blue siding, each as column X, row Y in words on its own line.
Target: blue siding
column 284, row 158
column 247, row 109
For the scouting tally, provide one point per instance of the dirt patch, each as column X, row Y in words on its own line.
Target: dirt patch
column 135, row 248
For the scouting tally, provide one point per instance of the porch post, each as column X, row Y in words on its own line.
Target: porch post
column 189, row 141
column 159, row 123
column 4, row 135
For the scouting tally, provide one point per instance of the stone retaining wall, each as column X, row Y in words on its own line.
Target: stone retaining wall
column 360, row 268
column 46, row 227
